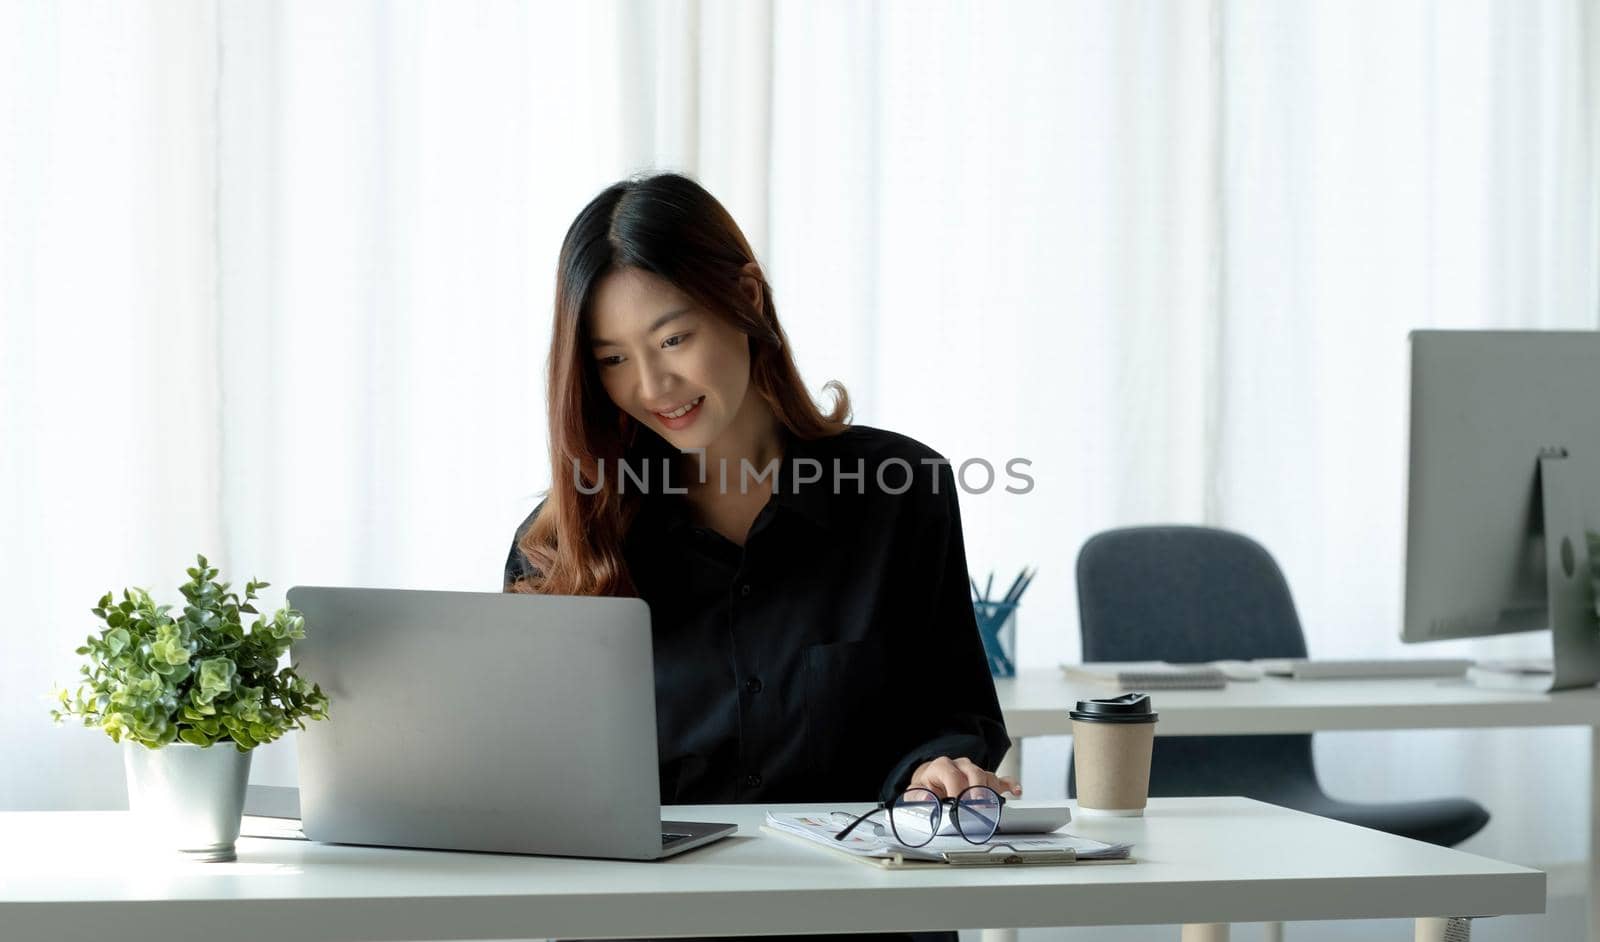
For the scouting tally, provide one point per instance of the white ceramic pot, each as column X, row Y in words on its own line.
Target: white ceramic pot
column 188, row 797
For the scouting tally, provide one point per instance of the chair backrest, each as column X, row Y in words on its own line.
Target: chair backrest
column 1183, row 594
column 1187, row 594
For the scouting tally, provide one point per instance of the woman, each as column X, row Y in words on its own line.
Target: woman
column 814, row 640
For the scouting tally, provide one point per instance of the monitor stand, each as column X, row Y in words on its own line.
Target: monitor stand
column 1574, row 621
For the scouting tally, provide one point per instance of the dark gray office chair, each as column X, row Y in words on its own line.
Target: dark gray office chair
column 1190, row 594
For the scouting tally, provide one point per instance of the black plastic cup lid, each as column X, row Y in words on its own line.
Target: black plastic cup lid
column 1128, row 708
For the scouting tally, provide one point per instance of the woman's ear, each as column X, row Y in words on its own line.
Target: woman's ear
column 750, row 283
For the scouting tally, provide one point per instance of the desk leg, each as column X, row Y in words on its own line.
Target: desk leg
column 1593, row 888
column 1204, row 932
column 1010, row 767
column 1456, row 929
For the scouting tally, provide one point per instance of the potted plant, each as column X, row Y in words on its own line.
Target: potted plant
column 189, row 697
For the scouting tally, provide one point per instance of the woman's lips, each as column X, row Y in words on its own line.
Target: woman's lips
column 686, row 419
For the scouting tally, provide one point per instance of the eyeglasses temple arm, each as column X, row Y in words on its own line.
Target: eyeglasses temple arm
column 852, row 825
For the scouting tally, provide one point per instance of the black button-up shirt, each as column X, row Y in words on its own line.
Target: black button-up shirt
column 831, row 654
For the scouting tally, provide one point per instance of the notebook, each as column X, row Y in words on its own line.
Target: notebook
column 1149, row 675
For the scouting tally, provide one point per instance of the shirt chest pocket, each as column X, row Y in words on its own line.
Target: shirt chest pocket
column 847, row 704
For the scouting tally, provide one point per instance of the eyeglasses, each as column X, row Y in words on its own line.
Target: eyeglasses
column 916, row 813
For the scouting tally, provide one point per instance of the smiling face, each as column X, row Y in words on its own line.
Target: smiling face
column 673, row 366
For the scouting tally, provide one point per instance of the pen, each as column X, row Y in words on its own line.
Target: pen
column 1026, row 581
column 1011, row 593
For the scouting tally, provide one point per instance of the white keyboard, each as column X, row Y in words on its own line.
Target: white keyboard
column 1364, row 669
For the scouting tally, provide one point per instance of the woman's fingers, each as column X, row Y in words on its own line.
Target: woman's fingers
column 977, row 776
column 946, row 777
column 939, row 776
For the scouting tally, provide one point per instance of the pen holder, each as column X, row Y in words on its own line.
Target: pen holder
column 997, row 626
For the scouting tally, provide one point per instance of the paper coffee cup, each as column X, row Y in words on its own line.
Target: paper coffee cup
column 1111, row 744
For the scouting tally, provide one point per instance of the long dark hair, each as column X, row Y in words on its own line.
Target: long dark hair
column 670, row 226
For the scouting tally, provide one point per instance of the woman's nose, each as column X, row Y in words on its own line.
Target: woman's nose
column 655, row 383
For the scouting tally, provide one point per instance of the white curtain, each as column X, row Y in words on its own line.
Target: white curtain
column 110, row 436
column 276, row 278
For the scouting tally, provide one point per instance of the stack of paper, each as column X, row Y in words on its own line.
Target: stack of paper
column 1150, row 675
column 874, row 840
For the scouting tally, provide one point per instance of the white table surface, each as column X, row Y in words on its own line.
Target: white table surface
column 80, row 875
column 1036, row 702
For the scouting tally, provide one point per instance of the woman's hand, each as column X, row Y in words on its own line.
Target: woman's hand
column 947, row 777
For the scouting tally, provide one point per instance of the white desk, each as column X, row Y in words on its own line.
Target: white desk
column 1036, row 703
column 67, row 876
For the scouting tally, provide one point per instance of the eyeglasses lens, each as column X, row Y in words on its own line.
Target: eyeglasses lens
column 977, row 813
column 914, row 816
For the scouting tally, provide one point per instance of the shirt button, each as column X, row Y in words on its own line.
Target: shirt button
column 752, row 781
column 753, row 685
column 744, row 591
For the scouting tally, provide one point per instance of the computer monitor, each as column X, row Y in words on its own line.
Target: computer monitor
column 1504, row 485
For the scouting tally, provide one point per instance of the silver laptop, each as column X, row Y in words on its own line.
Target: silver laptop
column 484, row 721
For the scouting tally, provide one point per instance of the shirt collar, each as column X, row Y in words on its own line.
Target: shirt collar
column 813, row 500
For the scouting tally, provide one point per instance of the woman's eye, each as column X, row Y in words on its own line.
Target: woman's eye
column 610, row 361
column 674, row 340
